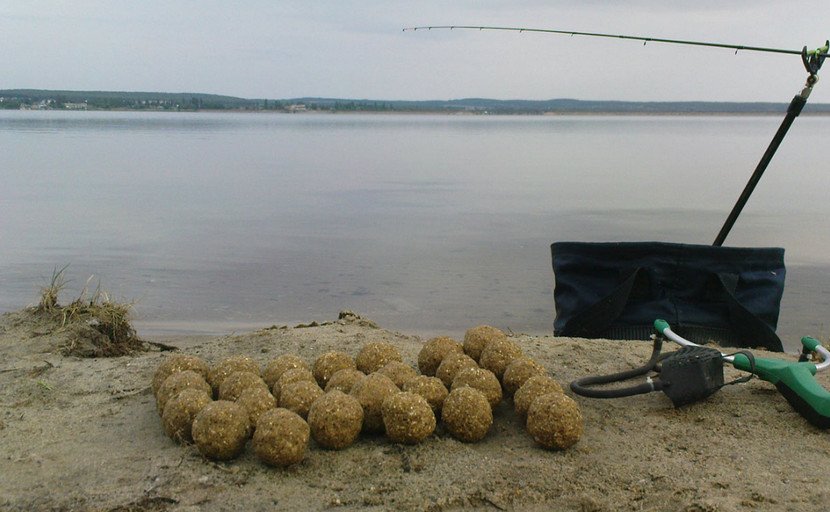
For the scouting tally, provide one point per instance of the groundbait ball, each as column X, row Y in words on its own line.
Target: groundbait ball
column 276, row 367
column 451, row 365
column 374, row 355
column 554, row 421
column 335, row 419
column 533, row 388
column 281, row 438
column 237, row 382
column 227, row 366
column 434, row 351
column 289, row 376
column 298, row 396
column 371, row 392
column 178, row 382
column 408, row 418
column 482, row 380
column 399, row 372
column 220, row 430
column 467, row 415
column 431, row 388
column 255, row 401
column 329, row 363
column 518, row 371
column 344, row 380
column 178, row 363
column 476, row 338
column 179, row 412
column 499, row 353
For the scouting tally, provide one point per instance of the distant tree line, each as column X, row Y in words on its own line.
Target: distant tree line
column 109, row 100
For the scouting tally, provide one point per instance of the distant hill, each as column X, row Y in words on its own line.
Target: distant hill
column 115, row 100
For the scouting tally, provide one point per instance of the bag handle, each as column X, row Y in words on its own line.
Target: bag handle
column 754, row 330
column 596, row 319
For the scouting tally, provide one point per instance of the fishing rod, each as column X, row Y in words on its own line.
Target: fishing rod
column 812, row 60
column 736, row 47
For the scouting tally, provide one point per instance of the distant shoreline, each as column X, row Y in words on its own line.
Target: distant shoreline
column 38, row 99
column 445, row 113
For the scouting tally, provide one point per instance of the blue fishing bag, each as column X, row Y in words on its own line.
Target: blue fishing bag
column 730, row 295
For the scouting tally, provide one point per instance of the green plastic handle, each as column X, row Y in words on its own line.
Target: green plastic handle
column 810, row 343
column 796, row 381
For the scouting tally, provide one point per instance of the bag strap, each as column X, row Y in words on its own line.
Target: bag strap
column 747, row 324
column 596, row 319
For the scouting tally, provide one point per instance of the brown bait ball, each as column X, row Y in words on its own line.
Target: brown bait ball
column 371, row 391
column 498, row 354
column 276, row 367
column 555, row 421
column 220, row 430
column 330, row 363
column 482, row 380
column 374, row 355
column 399, row 372
column 451, row 365
column 293, row 375
column 281, row 438
column 179, row 413
column 408, row 418
column 335, row 419
column 467, row 415
column 532, row 388
column 298, row 396
column 344, row 380
column 255, row 401
column 434, row 351
column 178, row 363
column 518, row 371
column 431, row 388
column 227, row 366
column 237, row 382
column 476, row 338
column 178, row 382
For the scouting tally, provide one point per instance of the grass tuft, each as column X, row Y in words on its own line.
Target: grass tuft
column 94, row 311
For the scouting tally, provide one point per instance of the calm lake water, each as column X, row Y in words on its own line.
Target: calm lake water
column 423, row 223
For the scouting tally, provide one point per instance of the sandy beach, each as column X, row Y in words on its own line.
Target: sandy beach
column 83, row 434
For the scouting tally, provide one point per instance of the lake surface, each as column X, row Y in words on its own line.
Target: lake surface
column 428, row 224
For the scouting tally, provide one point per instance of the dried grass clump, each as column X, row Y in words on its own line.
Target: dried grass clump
column 100, row 326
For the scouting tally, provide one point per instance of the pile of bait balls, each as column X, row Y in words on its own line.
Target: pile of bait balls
column 282, row 406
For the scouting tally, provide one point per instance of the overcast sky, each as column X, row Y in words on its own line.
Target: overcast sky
column 356, row 49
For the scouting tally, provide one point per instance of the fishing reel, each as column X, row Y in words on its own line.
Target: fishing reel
column 814, row 59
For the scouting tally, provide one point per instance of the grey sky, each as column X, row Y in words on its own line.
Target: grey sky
column 356, row 49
